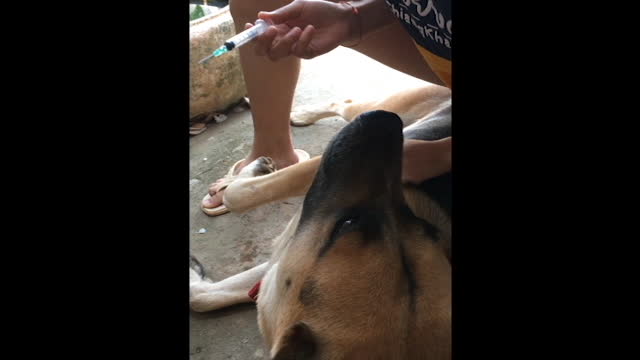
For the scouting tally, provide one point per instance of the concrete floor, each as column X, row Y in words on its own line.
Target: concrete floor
column 236, row 242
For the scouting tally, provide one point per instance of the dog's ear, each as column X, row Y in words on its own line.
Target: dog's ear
column 296, row 344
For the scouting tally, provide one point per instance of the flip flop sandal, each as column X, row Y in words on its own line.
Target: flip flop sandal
column 228, row 179
column 197, row 128
column 199, row 123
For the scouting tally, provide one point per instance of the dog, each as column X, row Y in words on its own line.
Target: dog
column 363, row 270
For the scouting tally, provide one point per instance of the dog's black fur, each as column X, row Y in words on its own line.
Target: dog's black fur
column 359, row 177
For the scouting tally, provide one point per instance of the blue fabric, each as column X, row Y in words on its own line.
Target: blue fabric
column 428, row 22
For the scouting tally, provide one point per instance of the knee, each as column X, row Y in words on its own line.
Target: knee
column 247, row 10
column 243, row 9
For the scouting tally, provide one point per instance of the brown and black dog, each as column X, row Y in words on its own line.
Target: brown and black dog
column 363, row 270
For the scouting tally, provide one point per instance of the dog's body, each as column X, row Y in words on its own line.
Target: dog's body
column 362, row 271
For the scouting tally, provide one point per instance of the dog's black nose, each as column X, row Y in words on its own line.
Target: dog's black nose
column 377, row 124
column 362, row 161
column 380, row 119
column 373, row 137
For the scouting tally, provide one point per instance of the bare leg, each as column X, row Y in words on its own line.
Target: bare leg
column 422, row 159
column 271, row 86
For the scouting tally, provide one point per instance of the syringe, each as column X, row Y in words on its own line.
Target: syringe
column 240, row 39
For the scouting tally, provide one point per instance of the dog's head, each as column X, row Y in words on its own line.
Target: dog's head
column 359, row 276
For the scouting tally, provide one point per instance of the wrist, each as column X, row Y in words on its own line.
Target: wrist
column 352, row 15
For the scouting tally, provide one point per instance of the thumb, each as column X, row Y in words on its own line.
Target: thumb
column 282, row 15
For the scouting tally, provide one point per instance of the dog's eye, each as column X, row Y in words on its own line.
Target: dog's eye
column 345, row 225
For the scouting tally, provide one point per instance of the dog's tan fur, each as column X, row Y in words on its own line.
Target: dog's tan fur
column 412, row 105
column 354, row 318
column 350, row 304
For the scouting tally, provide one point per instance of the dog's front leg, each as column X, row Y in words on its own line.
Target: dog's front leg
column 205, row 295
column 248, row 193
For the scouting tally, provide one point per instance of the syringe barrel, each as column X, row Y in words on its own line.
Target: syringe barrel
column 249, row 34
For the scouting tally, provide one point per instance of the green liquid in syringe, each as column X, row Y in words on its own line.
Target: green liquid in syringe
column 221, row 50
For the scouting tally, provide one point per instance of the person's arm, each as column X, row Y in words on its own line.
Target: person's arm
column 309, row 28
column 372, row 15
column 423, row 160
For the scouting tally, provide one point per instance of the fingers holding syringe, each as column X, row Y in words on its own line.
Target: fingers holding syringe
column 280, row 41
column 302, row 47
column 282, row 47
column 272, row 36
column 263, row 42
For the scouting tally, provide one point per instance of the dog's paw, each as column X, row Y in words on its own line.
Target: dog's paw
column 300, row 120
column 197, row 304
column 261, row 166
column 308, row 114
column 196, row 270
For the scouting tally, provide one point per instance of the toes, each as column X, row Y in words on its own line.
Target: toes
column 213, row 201
column 215, row 187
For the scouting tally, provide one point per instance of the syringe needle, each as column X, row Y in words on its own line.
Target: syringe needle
column 205, row 59
column 239, row 39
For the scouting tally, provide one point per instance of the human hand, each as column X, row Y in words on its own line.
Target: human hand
column 423, row 160
column 305, row 28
